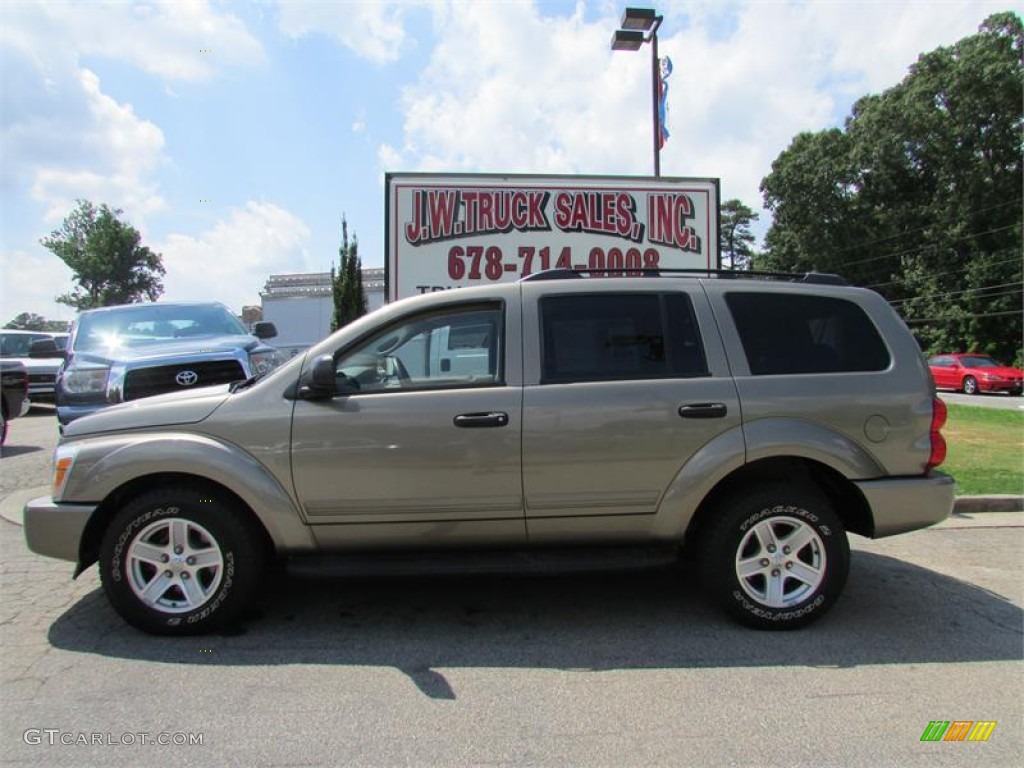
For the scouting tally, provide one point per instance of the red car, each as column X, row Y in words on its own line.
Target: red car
column 973, row 373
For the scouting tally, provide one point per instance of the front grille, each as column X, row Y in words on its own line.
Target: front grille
column 42, row 378
column 146, row 382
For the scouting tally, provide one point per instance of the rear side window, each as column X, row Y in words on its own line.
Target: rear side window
column 787, row 333
column 600, row 337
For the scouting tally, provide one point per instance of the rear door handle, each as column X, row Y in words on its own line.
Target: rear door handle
column 703, row 411
column 473, row 420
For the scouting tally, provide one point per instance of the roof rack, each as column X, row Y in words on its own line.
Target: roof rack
column 817, row 278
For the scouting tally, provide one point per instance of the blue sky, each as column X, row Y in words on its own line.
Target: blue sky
column 235, row 135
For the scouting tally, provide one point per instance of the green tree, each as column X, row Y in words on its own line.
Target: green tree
column 736, row 241
column 347, row 283
column 28, row 321
column 919, row 195
column 106, row 258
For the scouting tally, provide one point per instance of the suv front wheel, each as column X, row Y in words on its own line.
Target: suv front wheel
column 178, row 561
column 776, row 557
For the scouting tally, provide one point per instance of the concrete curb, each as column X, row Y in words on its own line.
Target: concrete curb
column 11, row 507
column 969, row 505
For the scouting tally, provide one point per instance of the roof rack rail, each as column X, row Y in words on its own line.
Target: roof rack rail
column 817, row 278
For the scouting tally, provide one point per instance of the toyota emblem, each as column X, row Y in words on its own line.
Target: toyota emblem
column 187, row 378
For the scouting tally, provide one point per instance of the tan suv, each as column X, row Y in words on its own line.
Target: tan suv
column 751, row 422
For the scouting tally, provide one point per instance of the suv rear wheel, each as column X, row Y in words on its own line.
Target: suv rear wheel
column 776, row 558
column 178, row 561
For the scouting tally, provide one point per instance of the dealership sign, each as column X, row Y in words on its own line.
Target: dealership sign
column 454, row 230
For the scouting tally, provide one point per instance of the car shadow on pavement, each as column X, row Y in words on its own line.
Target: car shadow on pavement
column 18, row 450
column 892, row 612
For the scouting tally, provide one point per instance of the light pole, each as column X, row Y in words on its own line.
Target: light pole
column 636, row 22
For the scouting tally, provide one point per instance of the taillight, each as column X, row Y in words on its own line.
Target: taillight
column 938, row 453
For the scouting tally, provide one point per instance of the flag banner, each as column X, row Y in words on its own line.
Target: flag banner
column 666, row 70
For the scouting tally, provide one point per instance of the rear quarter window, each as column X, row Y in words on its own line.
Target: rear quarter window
column 793, row 334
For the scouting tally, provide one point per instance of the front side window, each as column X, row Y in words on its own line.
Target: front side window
column 440, row 350
column 978, row 361
column 601, row 337
column 783, row 333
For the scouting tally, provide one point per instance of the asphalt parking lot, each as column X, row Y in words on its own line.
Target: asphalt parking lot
column 601, row 669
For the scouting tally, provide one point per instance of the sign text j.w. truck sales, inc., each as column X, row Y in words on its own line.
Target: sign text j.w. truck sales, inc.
column 453, row 230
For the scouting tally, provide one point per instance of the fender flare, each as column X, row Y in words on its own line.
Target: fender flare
column 105, row 465
column 747, row 444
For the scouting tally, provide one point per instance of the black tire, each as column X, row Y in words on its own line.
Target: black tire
column 783, row 589
column 970, row 385
column 3, row 427
column 188, row 594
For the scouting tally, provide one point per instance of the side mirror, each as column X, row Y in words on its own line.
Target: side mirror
column 322, row 380
column 264, row 329
column 45, row 348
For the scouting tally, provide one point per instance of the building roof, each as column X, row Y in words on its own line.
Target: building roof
column 315, row 283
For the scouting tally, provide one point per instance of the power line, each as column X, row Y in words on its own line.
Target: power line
column 948, row 272
column 958, row 319
column 934, row 296
column 927, row 246
column 1016, row 201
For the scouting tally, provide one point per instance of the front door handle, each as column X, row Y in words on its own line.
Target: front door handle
column 472, row 420
column 703, row 411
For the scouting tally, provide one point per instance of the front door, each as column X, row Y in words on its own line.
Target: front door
column 421, row 445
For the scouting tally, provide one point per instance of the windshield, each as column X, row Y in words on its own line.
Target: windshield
column 978, row 361
column 18, row 344
column 148, row 323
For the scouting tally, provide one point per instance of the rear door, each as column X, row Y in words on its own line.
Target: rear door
column 628, row 384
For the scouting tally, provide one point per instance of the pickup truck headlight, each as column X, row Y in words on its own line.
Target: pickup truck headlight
column 86, row 380
column 262, row 363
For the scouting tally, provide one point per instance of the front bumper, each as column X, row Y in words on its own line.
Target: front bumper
column 55, row 530
column 1004, row 385
column 902, row 504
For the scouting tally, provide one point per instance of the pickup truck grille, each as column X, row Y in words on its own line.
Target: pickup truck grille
column 145, row 382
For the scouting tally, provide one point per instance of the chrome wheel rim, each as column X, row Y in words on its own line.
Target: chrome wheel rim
column 174, row 566
column 780, row 562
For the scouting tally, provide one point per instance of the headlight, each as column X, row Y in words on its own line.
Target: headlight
column 86, row 380
column 262, row 363
column 63, row 459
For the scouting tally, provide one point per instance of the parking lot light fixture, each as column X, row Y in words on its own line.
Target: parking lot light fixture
column 639, row 26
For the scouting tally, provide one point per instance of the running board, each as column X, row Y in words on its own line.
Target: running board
column 453, row 562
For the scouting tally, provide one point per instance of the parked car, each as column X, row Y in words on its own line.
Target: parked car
column 14, row 400
column 973, row 374
column 42, row 368
column 123, row 353
column 752, row 423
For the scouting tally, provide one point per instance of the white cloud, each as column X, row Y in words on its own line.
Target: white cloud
column 233, row 259
column 117, row 154
column 31, row 282
column 374, row 30
column 510, row 89
column 171, row 39
column 62, row 136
